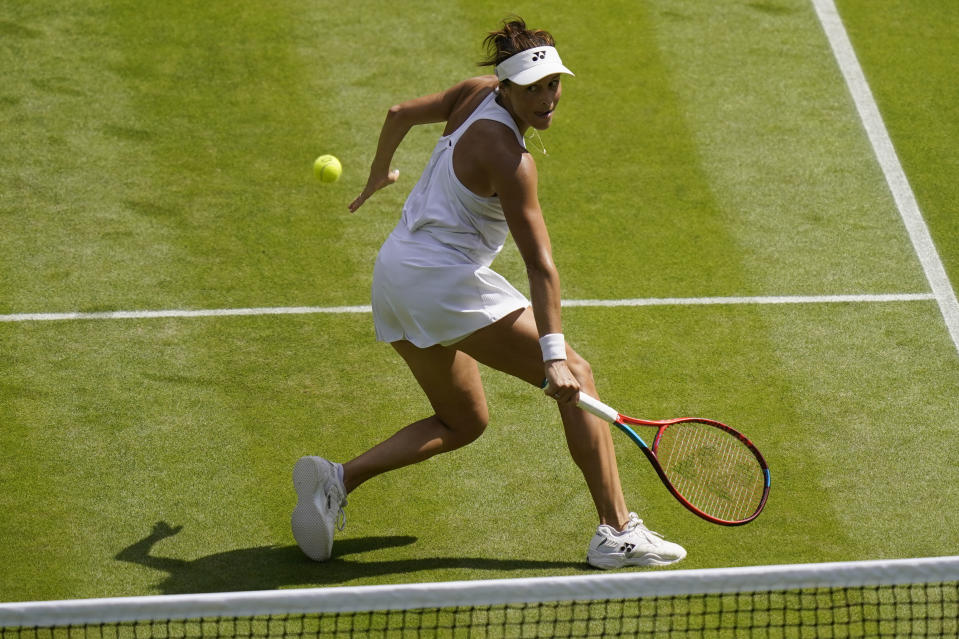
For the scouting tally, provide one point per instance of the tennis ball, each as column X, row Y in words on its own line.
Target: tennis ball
column 327, row 168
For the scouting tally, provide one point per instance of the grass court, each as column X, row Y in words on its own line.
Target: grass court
column 157, row 157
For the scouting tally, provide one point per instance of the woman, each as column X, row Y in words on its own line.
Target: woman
column 436, row 301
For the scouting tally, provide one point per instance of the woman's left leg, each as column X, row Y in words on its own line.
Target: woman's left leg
column 452, row 383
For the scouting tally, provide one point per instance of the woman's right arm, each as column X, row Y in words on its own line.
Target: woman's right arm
column 399, row 120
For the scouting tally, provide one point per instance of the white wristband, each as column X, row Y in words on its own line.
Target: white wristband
column 553, row 346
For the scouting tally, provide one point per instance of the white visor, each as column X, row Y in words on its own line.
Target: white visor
column 531, row 65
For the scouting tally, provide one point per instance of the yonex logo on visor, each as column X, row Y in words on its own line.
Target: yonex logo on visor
column 531, row 65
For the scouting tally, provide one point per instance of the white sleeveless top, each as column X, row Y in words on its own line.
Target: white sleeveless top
column 432, row 283
column 452, row 214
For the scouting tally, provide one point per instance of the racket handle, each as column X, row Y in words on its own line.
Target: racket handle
column 598, row 408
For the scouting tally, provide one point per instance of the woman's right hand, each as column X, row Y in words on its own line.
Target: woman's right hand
column 374, row 184
column 561, row 384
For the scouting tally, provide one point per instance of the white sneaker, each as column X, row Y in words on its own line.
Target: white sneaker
column 321, row 497
column 635, row 546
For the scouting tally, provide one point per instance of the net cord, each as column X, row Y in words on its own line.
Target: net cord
column 479, row 592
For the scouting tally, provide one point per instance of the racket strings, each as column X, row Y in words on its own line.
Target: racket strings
column 712, row 469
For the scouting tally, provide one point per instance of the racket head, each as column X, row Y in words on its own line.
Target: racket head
column 712, row 469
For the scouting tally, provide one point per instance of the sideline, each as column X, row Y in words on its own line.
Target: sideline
column 902, row 192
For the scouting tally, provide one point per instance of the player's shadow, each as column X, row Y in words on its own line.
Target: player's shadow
column 271, row 567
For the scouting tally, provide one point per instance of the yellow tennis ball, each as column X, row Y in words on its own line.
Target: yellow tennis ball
column 327, row 168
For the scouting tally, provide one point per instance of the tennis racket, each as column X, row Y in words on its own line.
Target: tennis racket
column 712, row 469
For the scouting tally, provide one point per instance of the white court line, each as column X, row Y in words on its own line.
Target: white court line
column 216, row 312
column 313, row 310
column 775, row 299
column 891, row 167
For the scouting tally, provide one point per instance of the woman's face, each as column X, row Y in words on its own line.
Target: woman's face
column 532, row 105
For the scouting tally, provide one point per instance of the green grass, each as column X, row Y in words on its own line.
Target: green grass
column 159, row 156
column 908, row 51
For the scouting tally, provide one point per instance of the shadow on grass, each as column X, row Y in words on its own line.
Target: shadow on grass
column 272, row 567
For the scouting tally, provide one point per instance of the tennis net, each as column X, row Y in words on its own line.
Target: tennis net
column 895, row 598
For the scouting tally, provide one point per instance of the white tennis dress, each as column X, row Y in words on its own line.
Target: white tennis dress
column 432, row 283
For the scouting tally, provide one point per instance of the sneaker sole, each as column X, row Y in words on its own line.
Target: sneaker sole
column 308, row 521
column 607, row 562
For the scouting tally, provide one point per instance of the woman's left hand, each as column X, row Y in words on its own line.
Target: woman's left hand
column 373, row 185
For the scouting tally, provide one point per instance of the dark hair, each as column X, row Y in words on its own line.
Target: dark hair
column 511, row 39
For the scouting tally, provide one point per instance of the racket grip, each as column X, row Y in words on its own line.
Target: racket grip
column 598, row 408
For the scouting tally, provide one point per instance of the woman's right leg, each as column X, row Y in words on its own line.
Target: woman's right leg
column 511, row 345
column 452, row 383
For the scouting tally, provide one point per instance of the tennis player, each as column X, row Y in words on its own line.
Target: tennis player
column 438, row 303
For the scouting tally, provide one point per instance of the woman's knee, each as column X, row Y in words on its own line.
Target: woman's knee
column 465, row 427
column 580, row 368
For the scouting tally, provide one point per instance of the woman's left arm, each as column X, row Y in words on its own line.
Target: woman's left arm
column 400, row 118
